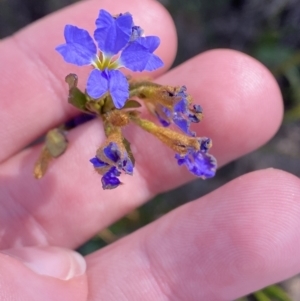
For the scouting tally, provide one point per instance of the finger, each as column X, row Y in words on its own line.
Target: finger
column 34, row 94
column 236, row 240
column 46, row 273
column 71, row 191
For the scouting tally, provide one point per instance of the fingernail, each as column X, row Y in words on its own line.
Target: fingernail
column 55, row 262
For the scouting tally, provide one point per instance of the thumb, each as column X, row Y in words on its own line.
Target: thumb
column 42, row 273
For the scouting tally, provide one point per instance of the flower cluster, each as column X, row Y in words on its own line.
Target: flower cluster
column 110, row 164
column 113, row 97
column 180, row 113
column 199, row 162
column 120, row 45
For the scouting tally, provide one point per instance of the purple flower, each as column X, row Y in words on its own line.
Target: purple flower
column 200, row 163
column 112, row 162
column 181, row 114
column 121, row 45
column 110, row 179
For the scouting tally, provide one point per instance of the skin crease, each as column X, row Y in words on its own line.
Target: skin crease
column 235, row 240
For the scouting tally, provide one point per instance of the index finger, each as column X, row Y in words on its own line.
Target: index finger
column 34, row 93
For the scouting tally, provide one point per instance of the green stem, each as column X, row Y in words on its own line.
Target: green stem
column 178, row 142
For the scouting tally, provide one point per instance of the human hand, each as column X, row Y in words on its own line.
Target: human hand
column 239, row 238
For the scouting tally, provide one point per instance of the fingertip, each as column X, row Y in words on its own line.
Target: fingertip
column 253, row 81
column 54, row 273
column 249, row 100
column 242, row 237
column 54, row 262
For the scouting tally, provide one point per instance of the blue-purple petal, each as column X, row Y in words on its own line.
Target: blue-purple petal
column 180, row 160
column 182, row 115
column 164, row 121
column 112, row 34
column 79, row 48
column 118, row 88
column 181, row 106
column 153, row 63
column 97, row 83
column 138, row 57
column 132, row 57
column 118, row 161
column 150, row 42
column 183, row 124
column 110, row 179
column 205, row 165
column 127, row 166
column 112, row 152
column 199, row 163
column 98, row 163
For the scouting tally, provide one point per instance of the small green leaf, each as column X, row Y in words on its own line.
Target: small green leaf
column 77, row 98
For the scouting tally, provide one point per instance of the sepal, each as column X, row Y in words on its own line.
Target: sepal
column 76, row 98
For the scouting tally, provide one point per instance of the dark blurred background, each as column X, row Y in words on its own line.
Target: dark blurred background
column 268, row 30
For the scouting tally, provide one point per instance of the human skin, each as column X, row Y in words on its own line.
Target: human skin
column 233, row 241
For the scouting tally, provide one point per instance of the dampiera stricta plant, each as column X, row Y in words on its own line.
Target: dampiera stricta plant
column 110, row 95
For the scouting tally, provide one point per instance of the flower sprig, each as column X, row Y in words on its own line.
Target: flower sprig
column 115, row 98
